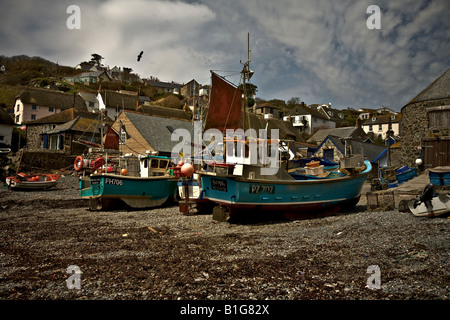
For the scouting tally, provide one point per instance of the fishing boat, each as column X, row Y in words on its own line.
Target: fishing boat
column 108, row 178
column 405, row 173
column 428, row 204
column 22, row 181
column 244, row 189
column 149, row 186
column 281, row 194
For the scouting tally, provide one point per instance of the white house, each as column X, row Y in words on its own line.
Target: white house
column 32, row 104
column 6, row 125
column 379, row 125
column 308, row 120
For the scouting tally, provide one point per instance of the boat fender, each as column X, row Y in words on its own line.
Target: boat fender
column 78, row 164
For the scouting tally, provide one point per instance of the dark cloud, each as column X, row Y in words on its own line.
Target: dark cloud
column 320, row 51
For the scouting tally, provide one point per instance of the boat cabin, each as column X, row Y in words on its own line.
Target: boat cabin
column 154, row 166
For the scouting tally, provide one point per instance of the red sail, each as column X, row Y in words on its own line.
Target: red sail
column 224, row 105
column 111, row 139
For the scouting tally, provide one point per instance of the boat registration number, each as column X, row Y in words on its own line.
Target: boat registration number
column 219, row 185
column 116, row 182
column 257, row 188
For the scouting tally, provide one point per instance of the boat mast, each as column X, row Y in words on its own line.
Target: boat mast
column 246, row 75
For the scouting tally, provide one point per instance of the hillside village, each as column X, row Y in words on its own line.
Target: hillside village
column 46, row 108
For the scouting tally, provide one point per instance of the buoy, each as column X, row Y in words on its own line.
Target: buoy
column 187, row 170
column 123, row 172
column 180, row 163
column 78, row 164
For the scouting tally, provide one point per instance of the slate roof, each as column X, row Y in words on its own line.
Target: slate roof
column 155, row 130
column 78, row 124
column 299, row 110
column 65, row 116
column 343, row 133
column 437, row 90
column 286, row 129
column 164, row 112
column 169, row 85
column 371, row 151
column 113, row 99
column 383, row 119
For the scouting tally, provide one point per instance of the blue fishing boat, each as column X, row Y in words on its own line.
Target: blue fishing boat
column 149, row 186
column 282, row 194
column 244, row 188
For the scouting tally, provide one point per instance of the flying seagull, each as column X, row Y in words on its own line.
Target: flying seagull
column 140, row 56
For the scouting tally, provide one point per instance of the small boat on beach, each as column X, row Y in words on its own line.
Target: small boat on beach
column 22, row 181
column 428, row 204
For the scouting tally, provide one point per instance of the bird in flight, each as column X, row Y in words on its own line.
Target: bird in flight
column 140, row 56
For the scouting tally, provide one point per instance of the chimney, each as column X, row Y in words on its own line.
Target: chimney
column 358, row 123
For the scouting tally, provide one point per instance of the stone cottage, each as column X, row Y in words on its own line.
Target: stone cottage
column 425, row 125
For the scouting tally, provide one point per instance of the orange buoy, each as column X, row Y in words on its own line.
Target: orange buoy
column 187, row 170
column 78, row 164
column 123, row 172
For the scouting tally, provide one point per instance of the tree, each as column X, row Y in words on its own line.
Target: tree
column 251, row 90
column 97, row 58
column 292, row 102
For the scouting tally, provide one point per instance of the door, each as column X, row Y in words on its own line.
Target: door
column 436, row 152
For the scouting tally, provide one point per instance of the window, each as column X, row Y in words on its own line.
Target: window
column 33, row 106
column 53, row 142
column 328, row 154
column 51, row 109
column 370, row 128
column 33, row 117
column 380, row 127
column 123, row 137
column 2, row 138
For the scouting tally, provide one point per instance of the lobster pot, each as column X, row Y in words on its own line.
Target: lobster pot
column 314, row 171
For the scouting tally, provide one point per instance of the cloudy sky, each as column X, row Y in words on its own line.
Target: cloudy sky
column 318, row 50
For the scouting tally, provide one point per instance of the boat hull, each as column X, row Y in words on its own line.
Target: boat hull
column 191, row 197
column 44, row 182
column 294, row 199
column 104, row 190
column 438, row 206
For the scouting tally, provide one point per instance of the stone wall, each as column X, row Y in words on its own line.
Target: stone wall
column 414, row 127
column 50, row 160
column 34, row 138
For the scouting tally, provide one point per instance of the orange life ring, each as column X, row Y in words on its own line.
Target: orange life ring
column 78, row 164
